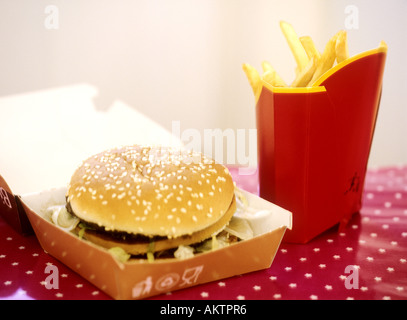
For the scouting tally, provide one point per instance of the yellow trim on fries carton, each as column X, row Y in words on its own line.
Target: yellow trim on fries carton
column 292, row 89
column 382, row 48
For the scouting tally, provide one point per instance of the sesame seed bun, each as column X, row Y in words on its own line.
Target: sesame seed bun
column 152, row 192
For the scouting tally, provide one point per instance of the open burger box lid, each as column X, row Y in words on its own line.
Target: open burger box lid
column 138, row 279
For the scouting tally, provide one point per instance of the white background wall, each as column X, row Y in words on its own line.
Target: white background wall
column 181, row 59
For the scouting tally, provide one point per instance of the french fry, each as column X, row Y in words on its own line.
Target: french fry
column 266, row 66
column 305, row 76
column 341, row 47
column 295, row 45
column 326, row 61
column 254, row 78
column 271, row 76
column 309, row 47
column 383, row 44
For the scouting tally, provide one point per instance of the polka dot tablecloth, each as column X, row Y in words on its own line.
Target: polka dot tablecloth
column 367, row 260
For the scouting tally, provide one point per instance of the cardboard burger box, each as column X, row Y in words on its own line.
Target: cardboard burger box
column 314, row 143
column 139, row 278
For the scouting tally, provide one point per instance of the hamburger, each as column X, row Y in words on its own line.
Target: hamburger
column 149, row 201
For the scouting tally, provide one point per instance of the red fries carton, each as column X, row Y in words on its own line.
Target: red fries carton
column 314, row 143
column 139, row 278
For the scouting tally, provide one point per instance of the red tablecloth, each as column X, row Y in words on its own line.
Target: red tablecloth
column 374, row 246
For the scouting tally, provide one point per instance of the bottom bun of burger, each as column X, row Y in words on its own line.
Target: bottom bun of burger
column 150, row 199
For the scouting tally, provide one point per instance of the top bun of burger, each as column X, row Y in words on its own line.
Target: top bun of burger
column 153, row 192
